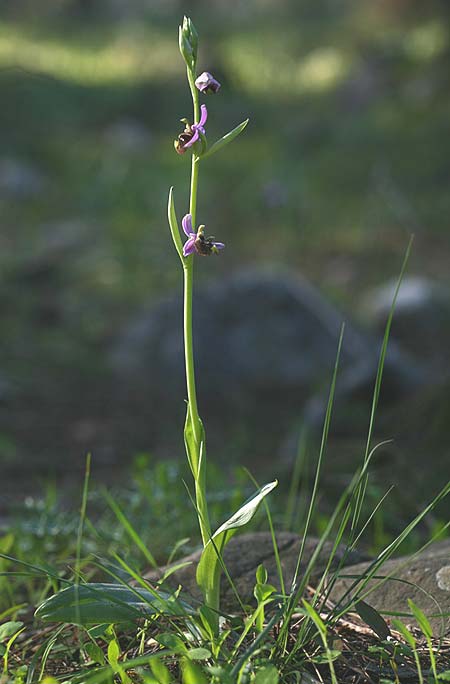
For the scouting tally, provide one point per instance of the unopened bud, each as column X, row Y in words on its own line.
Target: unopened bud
column 188, row 42
column 206, row 83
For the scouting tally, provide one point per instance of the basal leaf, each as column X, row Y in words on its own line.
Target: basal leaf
column 97, row 603
column 373, row 619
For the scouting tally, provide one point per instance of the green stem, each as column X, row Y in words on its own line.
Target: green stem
column 194, row 93
column 189, row 349
column 200, row 474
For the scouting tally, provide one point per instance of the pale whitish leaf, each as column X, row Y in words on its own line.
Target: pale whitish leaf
column 373, row 619
column 208, row 569
column 225, row 140
column 96, row 603
column 267, row 675
column 247, row 511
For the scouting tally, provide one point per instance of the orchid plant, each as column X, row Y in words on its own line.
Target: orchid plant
column 194, row 140
column 85, row 602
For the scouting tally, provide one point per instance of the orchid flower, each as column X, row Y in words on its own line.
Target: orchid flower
column 206, row 83
column 191, row 133
column 197, row 242
column 198, row 128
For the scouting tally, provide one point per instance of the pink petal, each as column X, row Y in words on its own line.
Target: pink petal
column 187, row 224
column 194, row 138
column 189, row 246
column 204, row 115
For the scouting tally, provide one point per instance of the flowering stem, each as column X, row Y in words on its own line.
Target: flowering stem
column 200, row 467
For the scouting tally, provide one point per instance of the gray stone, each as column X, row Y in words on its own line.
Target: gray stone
column 426, row 581
column 265, row 343
column 421, row 319
column 242, row 556
column 19, row 179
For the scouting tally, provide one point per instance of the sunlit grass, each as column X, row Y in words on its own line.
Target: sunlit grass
column 127, row 57
column 261, row 66
column 426, row 42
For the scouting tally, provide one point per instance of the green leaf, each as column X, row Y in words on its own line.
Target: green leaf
column 173, row 223
column 261, row 574
column 209, row 620
column 8, row 629
column 421, row 619
column 199, row 653
column 267, row 675
column 195, row 455
column 193, row 673
column 226, row 139
column 208, row 569
column 263, row 591
column 160, row 671
column 324, row 658
column 373, row 619
column 404, row 631
column 6, row 542
column 113, row 652
column 444, row 676
column 172, row 642
column 95, row 653
column 96, row 603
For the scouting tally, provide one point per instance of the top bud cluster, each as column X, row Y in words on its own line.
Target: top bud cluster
column 188, row 41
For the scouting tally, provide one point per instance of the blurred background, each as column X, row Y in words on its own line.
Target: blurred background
column 346, row 155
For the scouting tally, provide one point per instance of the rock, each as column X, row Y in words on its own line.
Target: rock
column 19, row 180
column 242, row 556
column 421, row 320
column 265, row 342
column 426, row 582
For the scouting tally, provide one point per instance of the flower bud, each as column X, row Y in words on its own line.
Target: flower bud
column 188, row 42
column 206, row 83
column 193, row 38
